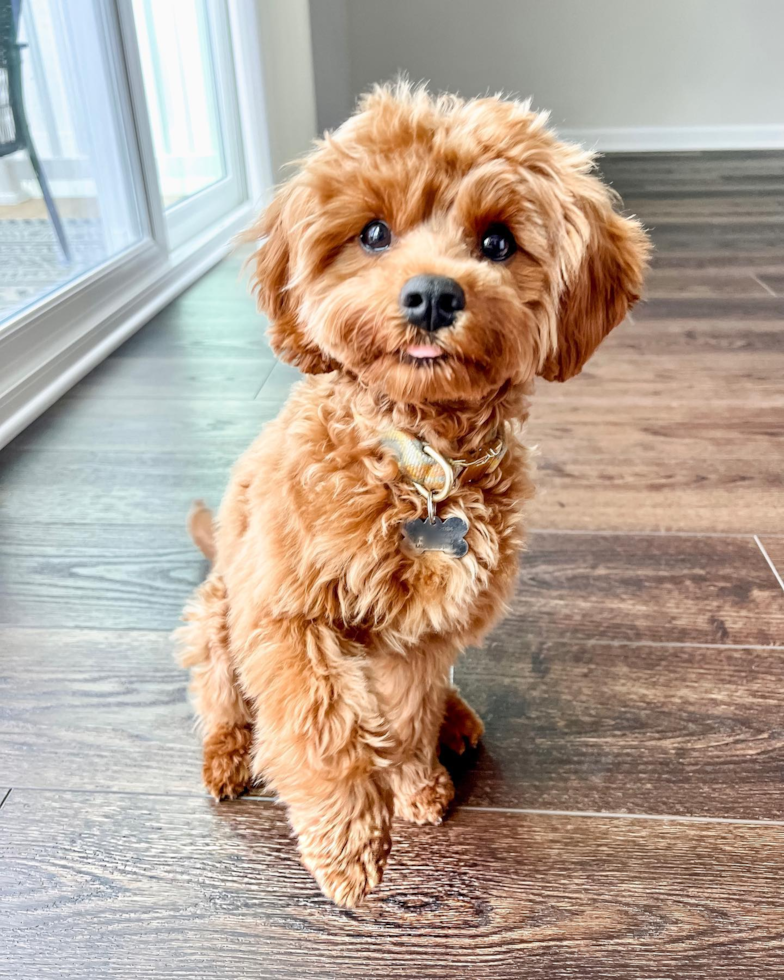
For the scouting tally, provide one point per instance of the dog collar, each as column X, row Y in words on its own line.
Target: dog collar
column 431, row 473
column 435, row 476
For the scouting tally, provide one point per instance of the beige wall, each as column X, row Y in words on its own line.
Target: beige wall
column 599, row 65
column 334, row 97
column 287, row 64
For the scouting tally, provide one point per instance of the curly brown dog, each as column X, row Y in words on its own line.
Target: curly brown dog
column 430, row 258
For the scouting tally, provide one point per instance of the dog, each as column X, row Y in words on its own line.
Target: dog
column 428, row 261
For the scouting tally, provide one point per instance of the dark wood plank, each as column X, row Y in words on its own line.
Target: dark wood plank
column 674, row 283
column 706, row 210
column 612, row 493
column 713, row 307
column 644, row 381
column 93, row 487
column 611, row 727
column 96, row 577
column 85, row 709
column 202, row 426
column 172, row 888
column 638, row 588
column 633, row 431
column 751, row 261
column 689, row 204
column 678, row 337
column 215, row 319
column 229, row 427
column 712, row 172
column 588, row 586
column 226, row 326
column 736, row 242
column 624, row 727
column 574, row 492
column 175, row 378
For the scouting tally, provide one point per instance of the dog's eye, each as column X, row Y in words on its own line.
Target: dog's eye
column 498, row 243
column 376, row 236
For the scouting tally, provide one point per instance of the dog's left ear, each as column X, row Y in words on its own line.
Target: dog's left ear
column 271, row 282
column 608, row 280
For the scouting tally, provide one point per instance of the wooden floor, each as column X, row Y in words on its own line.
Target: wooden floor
column 624, row 817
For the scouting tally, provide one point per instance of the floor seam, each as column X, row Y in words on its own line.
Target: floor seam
column 589, row 532
column 600, row 641
column 266, row 379
column 769, row 560
column 641, row 533
column 764, row 285
column 621, row 815
column 680, row 644
column 149, row 794
column 163, row 400
column 521, row 811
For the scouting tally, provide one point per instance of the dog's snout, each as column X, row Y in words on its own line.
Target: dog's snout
column 431, row 302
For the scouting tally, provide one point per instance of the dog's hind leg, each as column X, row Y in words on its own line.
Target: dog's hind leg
column 461, row 725
column 224, row 715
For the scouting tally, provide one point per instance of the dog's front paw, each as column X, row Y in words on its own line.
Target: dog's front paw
column 461, row 725
column 226, row 770
column 429, row 801
column 348, row 877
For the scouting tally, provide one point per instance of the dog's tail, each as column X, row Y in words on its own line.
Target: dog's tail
column 201, row 528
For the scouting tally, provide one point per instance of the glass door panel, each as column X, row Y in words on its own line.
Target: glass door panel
column 188, row 74
column 68, row 201
column 177, row 64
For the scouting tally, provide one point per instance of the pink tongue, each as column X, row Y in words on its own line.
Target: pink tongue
column 424, row 350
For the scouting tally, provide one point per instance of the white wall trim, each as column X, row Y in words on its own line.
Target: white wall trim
column 674, row 138
column 57, row 372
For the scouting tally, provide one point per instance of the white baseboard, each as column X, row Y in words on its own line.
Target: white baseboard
column 677, row 138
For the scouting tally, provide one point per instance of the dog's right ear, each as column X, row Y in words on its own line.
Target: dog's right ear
column 270, row 281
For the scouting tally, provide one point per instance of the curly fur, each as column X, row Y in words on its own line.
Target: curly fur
column 315, row 630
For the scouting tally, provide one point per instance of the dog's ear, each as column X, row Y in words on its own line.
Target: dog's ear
column 605, row 284
column 271, row 282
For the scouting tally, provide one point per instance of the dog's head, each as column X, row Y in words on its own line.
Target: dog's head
column 440, row 249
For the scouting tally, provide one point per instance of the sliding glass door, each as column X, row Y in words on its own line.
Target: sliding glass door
column 71, row 195
column 122, row 172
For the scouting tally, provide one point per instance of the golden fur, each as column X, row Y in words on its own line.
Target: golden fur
column 320, row 650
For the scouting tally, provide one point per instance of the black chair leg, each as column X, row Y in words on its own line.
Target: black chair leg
column 13, row 67
column 51, row 207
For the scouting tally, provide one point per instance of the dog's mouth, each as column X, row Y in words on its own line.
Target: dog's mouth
column 423, row 353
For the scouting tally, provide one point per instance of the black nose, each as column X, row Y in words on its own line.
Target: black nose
column 431, row 302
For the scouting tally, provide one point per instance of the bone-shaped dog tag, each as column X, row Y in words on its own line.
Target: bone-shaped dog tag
column 437, row 535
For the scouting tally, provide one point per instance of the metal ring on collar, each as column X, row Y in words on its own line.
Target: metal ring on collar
column 449, row 476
